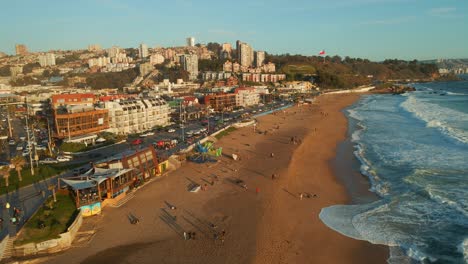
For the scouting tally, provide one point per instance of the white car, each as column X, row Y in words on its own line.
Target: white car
column 25, row 152
column 41, row 147
column 48, row 161
column 19, row 147
column 12, row 142
column 151, row 133
column 62, row 159
column 171, row 130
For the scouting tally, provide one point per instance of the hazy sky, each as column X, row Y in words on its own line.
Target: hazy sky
column 373, row 29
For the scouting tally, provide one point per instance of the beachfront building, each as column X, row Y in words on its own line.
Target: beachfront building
column 75, row 115
column 246, row 96
column 221, row 102
column 145, row 161
column 135, row 115
column 91, row 189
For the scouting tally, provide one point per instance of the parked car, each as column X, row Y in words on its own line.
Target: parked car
column 41, row 147
column 137, row 141
column 48, row 161
column 171, row 130
column 25, row 152
column 19, row 147
column 63, row 159
column 12, row 142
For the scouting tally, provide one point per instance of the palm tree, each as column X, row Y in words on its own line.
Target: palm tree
column 18, row 162
column 5, row 173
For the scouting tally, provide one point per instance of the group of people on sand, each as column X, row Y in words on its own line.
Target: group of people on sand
column 295, row 140
column 307, row 195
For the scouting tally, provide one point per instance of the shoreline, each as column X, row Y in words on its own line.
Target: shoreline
column 267, row 223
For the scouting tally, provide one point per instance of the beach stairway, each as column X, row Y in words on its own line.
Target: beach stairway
column 122, row 201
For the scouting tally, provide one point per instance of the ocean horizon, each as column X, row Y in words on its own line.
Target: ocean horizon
column 413, row 149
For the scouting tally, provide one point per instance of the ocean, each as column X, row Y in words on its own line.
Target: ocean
column 413, row 148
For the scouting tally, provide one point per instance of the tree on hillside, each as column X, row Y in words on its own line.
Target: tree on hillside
column 5, row 173
column 18, row 162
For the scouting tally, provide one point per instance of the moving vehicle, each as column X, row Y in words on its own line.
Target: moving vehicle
column 48, row 161
column 63, row 159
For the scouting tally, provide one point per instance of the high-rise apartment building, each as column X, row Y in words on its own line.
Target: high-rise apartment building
column 191, row 41
column 190, row 63
column 137, row 115
column 245, row 54
column 47, row 59
column 143, row 51
column 259, row 58
column 21, row 49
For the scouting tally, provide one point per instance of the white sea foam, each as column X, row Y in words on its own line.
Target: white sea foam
column 452, row 93
column 438, row 117
column 463, row 248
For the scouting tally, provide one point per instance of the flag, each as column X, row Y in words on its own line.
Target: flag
column 322, row 52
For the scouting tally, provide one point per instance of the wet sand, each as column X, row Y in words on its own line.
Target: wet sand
column 265, row 223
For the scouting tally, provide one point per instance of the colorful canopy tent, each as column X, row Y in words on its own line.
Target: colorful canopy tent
column 205, row 152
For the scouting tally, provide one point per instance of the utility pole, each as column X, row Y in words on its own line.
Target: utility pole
column 29, row 139
column 68, row 128
column 49, row 143
column 9, row 122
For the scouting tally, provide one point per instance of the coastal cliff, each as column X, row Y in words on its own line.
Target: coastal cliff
column 393, row 89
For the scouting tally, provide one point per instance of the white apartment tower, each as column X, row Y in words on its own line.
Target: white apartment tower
column 191, row 41
column 190, row 63
column 143, row 51
column 259, row 58
column 245, row 54
column 47, row 59
column 137, row 115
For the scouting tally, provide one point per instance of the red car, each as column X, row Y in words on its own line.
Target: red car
column 137, row 141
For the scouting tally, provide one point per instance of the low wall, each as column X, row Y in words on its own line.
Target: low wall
column 53, row 245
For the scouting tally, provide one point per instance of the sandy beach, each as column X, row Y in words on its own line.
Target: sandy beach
column 266, row 223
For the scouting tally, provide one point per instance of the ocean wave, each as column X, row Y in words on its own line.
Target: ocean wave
column 377, row 186
column 438, row 117
column 373, row 223
column 445, row 187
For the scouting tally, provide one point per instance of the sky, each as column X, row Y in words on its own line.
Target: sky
column 372, row 29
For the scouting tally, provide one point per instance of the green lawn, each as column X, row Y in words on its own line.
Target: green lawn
column 43, row 172
column 299, row 68
column 225, row 132
column 54, row 217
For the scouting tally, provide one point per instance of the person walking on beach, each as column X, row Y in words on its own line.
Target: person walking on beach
column 300, row 196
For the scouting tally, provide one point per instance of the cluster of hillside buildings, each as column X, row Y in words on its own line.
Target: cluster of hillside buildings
column 242, row 61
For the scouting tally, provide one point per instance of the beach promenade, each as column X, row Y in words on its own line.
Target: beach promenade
column 288, row 177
